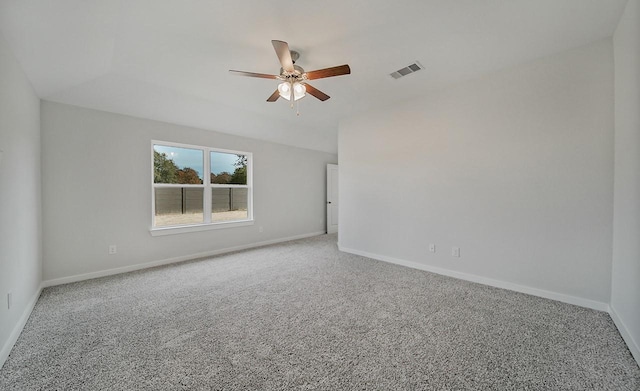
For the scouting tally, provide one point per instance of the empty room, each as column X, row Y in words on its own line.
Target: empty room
column 280, row 195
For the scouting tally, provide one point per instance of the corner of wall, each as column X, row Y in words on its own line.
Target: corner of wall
column 632, row 344
column 17, row 330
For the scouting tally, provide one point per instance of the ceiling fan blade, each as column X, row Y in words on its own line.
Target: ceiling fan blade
column 252, row 74
column 274, row 97
column 284, row 55
column 329, row 72
column 316, row 92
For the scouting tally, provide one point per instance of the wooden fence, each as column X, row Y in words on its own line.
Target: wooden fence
column 181, row 200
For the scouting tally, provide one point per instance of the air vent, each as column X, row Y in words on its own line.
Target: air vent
column 415, row 67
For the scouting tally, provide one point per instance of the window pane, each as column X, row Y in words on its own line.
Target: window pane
column 178, row 205
column 177, row 165
column 228, row 168
column 228, row 204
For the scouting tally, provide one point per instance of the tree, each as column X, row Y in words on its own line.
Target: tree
column 188, row 175
column 222, row 179
column 241, row 161
column 239, row 176
column 164, row 169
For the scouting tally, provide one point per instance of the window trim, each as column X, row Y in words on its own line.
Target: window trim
column 207, row 187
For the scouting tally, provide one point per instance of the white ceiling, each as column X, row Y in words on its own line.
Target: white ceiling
column 168, row 60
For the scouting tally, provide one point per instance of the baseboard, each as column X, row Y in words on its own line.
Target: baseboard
column 131, row 268
column 15, row 333
column 596, row 305
column 633, row 346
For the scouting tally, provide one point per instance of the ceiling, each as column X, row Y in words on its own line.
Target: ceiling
column 168, row 60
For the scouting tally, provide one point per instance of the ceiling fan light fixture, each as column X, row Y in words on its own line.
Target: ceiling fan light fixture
column 285, row 88
column 299, row 89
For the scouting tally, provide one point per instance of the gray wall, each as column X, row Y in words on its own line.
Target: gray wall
column 515, row 168
column 97, row 191
column 20, row 224
column 625, row 292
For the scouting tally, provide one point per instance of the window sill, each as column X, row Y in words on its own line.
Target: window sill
column 198, row 227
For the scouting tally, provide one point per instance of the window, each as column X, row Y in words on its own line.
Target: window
column 197, row 187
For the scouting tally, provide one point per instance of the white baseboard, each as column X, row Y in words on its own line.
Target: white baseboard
column 626, row 335
column 596, row 305
column 182, row 258
column 17, row 329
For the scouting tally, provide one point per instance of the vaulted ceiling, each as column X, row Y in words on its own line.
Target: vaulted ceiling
column 168, row 60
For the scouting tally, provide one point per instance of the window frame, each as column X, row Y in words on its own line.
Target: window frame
column 206, row 187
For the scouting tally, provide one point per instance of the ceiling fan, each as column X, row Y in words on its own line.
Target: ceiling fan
column 294, row 80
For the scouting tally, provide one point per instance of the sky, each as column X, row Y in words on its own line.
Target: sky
column 193, row 158
column 223, row 162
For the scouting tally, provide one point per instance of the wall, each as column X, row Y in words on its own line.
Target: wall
column 515, row 168
column 625, row 282
column 20, row 224
column 97, row 192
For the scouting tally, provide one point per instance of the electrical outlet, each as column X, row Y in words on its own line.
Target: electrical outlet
column 9, row 300
column 113, row 249
column 432, row 248
column 260, row 229
column 455, row 252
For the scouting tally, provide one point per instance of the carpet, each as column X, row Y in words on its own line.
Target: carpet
column 303, row 316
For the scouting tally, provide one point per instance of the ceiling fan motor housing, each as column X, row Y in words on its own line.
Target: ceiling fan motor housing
column 298, row 72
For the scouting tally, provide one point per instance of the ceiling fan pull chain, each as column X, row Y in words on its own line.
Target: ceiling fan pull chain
column 292, row 97
column 298, row 108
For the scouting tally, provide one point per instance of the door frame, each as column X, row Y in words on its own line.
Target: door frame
column 331, row 203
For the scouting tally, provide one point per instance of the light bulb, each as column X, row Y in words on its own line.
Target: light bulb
column 285, row 90
column 299, row 91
